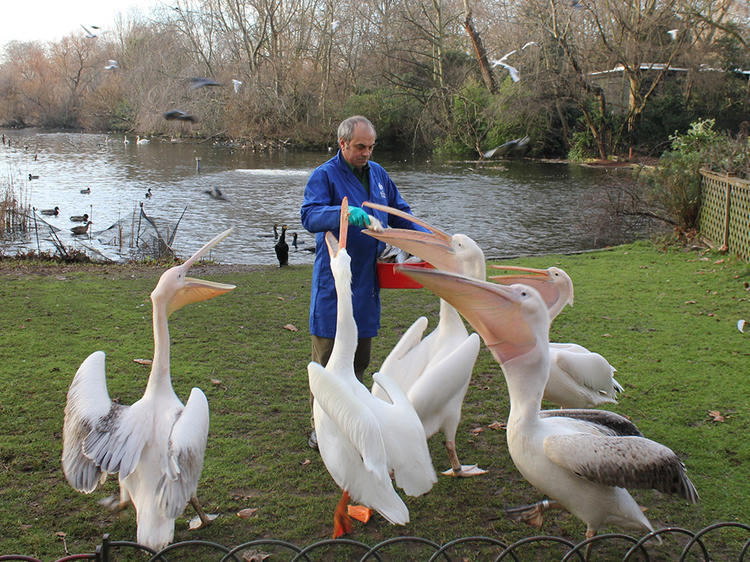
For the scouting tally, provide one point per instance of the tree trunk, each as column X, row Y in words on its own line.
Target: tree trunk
column 476, row 40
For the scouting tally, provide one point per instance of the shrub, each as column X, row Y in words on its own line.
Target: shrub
column 676, row 185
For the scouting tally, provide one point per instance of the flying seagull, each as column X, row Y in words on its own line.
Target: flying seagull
column 111, row 65
column 179, row 115
column 89, row 35
column 673, row 33
column 199, row 82
column 236, row 83
column 514, row 75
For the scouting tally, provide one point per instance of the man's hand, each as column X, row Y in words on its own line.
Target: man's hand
column 358, row 217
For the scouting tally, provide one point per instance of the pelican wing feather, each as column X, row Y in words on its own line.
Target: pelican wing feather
column 444, row 382
column 187, row 446
column 609, row 423
column 334, row 395
column 623, row 461
column 589, row 369
column 99, row 436
column 407, row 359
column 404, row 438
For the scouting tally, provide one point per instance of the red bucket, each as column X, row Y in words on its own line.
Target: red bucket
column 389, row 278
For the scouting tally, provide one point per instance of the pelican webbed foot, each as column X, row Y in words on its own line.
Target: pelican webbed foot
column 532, row 514
column 359, row 512
column 458, row 469
column 203, row 518
column 465, row 471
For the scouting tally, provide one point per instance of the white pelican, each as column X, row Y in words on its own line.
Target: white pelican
column 435, row 371
column 578, row 378
column 157, row 444
column 361, row 437
column 139, row 140
column 583, row 459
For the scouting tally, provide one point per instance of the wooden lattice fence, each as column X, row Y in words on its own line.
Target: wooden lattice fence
column 725, row 213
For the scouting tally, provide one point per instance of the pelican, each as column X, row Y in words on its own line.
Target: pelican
column 82, row 229
column 362, row 438
column 51, row 212
column 282, row 248
column 157, row 444
column 139, row 140
column 578, row 378
column 435, row 371
column 584, row 459
column 80, row 218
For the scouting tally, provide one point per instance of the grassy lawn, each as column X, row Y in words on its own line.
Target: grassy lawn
column 665, row 318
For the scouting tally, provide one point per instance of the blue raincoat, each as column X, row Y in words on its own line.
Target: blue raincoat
column 327, row 186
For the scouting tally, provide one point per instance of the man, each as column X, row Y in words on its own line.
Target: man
column 349, row 174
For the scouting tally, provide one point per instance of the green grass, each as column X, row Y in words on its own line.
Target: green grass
column 665, row 318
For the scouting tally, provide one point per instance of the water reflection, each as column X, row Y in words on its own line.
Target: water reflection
column 509, row 209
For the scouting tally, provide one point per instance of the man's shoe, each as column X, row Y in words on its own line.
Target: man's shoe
column 313, row 440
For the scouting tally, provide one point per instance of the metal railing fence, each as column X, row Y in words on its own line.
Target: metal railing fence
column 720, row 541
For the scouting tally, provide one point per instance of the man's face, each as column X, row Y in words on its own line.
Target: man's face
column 358, row 151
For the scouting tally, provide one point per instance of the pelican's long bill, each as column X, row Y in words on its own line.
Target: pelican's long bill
column 543, row 280
column 433, row 247
column 196, row 290
column 494, row 311
column 335, row 245
column 537, row 278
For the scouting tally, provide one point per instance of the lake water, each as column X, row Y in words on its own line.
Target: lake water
column 509, row 208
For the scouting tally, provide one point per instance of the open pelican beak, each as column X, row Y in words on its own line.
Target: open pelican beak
column 335, row 246
column 196, row 290
column 539, row 279
column 433, row 247
column 494, row 311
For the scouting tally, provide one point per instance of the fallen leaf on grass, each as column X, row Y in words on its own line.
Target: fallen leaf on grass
column 255, row 556
column 291, row 327
column 606, row 335
column 142, row 361
column 690, row 302
column 741, row 325
column 247, row 513
column 716, row 416
column 305, row 462
column 476, row 430
column 497, row 425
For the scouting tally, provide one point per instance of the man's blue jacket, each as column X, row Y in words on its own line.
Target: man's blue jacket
column 327, row 186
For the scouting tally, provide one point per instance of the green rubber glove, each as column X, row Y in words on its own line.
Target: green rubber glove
column 358, row 217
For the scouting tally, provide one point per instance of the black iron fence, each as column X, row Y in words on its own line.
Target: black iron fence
column 720, row 541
